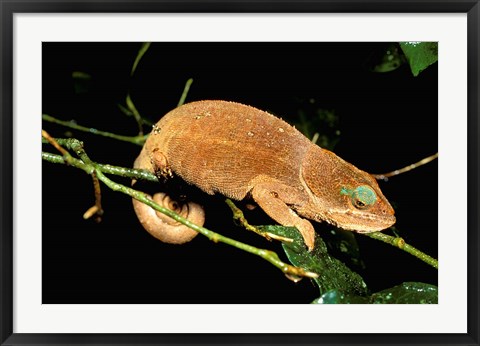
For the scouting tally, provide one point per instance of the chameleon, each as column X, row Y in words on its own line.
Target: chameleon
column 244, row 153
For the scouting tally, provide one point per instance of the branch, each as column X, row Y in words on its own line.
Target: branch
column 185, row 92
column 240, row 218
column 141, row 52
column 138, row 140
column 97, row 208
column 130, row 173
column 140, row 174
column 395, row 241
column 129, row 113
column 136, row 114
column 89, row 166
column 422, row 162
column 46, row 138
column 400, row 243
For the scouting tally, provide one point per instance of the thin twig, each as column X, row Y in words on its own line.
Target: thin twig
column 240, row 218
column 400, row 243
column 54, row 143
column 129, row 113
column 185, row 92
column 96, row 209
column 136, row 114
column 141, row 52
column 130, row 173
column 138, row 140
column 422, row 162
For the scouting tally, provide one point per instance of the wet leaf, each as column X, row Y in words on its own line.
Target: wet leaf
column 338, row 297
column 333, row 274
column 420, row 55
column 406, row 293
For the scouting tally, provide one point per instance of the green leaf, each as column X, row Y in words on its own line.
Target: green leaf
column 333, row 274
column 420, row 55
column 406, row 293
column 338, row 297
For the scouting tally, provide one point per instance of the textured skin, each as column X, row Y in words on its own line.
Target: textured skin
column 241, row 152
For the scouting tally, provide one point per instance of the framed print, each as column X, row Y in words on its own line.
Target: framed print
column 253, row 126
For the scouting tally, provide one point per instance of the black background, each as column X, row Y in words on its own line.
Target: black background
column 387, row 121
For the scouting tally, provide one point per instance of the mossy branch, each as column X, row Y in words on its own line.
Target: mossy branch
column 90, row 167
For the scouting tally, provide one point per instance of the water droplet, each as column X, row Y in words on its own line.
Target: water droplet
column 248, row 120
column 413, row 43
column 204, row 114
column 250, row 133
column 156, row 129
column 280, row 129
column 293, row 277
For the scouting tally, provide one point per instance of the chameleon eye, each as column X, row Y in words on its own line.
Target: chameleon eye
column 359, row 204
column 363, row 197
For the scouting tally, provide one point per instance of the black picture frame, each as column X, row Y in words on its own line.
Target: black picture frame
column 9, row 8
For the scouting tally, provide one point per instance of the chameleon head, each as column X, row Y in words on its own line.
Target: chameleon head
column 351, row 199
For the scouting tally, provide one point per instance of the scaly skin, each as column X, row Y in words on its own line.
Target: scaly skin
column 241, row 152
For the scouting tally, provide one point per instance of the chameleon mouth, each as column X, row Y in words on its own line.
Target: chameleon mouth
column 376, row 225
column 363, row 223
